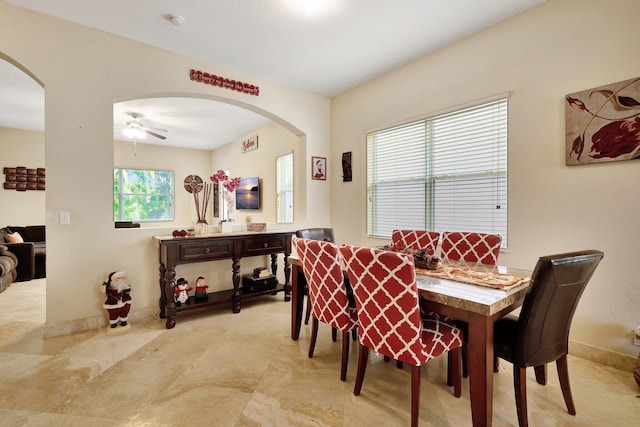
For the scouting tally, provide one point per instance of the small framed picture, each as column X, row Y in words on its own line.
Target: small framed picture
column 319, row 168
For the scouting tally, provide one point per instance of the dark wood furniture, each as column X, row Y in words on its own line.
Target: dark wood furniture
column 478, row 306
column 182, row 250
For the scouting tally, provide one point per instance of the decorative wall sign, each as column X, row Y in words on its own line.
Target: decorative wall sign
column 223, row 82
column 250, row 144
column 603, row 124
column 346, row 167
column 20, row 178
column 319, row 168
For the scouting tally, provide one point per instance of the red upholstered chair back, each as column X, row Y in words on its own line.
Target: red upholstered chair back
column 415, row 239
column 386, row 297
column 327, row 291
column 471, row 247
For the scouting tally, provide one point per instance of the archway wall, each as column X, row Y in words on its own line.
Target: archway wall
column 84, row 71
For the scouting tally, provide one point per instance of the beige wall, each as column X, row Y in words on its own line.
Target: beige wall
column 273, row 141
column 84, row 72
column 560, row 47
column 21, row 148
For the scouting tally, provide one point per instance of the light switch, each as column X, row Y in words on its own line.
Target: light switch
column 65, row 218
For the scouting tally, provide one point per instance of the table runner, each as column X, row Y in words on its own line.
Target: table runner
column 474, row 276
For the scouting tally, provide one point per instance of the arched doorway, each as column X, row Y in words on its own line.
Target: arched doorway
column 24, row 184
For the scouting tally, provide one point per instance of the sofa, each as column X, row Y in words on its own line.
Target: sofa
column 8, row 263
column 28, row 244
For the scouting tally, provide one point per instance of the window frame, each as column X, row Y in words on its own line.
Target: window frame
column 283, row 217
column 405, row 165
column 119, row 196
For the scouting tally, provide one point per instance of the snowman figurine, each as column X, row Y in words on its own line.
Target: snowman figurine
column 182, row 292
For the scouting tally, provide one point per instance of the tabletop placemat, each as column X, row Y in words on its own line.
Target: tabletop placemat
column 475, row 277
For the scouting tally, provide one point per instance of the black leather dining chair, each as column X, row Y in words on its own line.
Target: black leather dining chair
column 540, row 334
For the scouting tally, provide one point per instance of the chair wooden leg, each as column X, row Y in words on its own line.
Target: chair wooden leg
column 354, row 334
column 399, row 364
column 520, row 388
column 308, row 313
column 449, row 366
column 496, row 364
column 334, row 334
column 314, row 336
column 415, row 396
column 455, row 361
column 386, row 358
column 363, row 355
column 345, row 355
column 465, row 370
column 541, row 374
column 563, row 376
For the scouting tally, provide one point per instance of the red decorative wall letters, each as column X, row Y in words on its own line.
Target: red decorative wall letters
column 223, row 82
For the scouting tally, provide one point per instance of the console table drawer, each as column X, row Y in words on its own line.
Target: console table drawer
column 206, row 251
column 264, row 245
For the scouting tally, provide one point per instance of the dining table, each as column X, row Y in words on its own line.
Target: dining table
column 479, row 305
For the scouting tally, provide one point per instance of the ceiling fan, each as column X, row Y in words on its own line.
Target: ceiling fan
column 136, row 130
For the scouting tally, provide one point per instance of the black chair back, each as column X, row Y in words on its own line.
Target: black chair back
column 557, row 283
column 324, row 234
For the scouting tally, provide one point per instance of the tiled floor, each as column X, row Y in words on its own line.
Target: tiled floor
column 223, row 369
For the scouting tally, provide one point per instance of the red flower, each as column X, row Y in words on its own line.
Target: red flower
column 232, row 184
column 577, row 104
column 219, row 177
column 616, row 138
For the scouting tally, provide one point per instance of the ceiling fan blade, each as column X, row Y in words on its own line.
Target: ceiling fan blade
column 154, row 129
column 157, row 135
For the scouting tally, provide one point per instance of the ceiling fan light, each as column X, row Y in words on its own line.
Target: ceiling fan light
column 134, row 133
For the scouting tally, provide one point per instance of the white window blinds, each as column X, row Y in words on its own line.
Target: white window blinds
column 442, row 173
column 284, row 187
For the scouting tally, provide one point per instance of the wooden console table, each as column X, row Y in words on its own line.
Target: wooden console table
column 210, row 247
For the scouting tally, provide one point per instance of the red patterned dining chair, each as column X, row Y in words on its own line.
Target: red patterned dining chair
column 415, row 239
column 324, row 234
column 389, row 320
column 479, row 248
column 473, row 247
column 540, row 333
column 327, row 292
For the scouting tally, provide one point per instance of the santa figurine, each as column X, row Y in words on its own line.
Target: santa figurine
column 118, row 302
column 181, row 292
column 201, row 290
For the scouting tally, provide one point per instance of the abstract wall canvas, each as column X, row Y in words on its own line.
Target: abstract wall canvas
column 603, row 124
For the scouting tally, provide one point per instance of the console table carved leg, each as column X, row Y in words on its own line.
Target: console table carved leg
column 167, row 291
column 162, row 301
column 287, row 275
column 236, row 298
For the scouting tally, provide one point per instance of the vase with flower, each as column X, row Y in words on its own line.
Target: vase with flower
column 228, row 187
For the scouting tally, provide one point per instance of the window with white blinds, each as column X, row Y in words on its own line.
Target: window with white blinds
column 444, row 173
column 284, row 187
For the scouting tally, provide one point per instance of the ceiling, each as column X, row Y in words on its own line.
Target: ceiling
column 321, row 46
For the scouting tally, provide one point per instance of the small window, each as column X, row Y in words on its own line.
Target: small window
column 143, row 195
column 284, row 187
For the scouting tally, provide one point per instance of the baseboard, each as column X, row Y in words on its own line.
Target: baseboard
column 65, row 328
column 600, row 355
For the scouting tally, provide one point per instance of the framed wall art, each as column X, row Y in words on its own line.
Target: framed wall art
column 21, row 178
column 603, row 124
column 319, row 168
